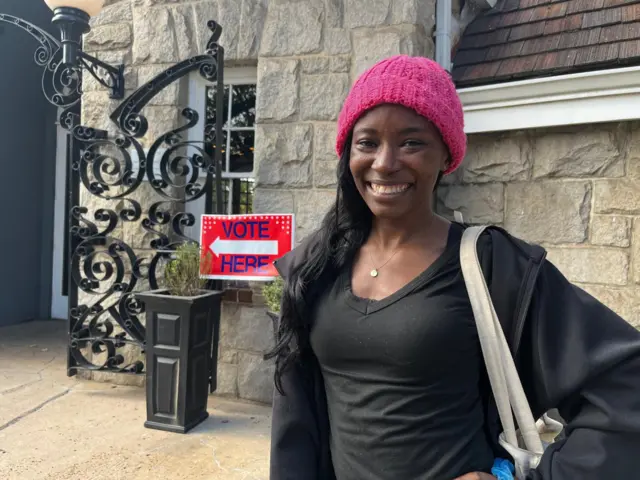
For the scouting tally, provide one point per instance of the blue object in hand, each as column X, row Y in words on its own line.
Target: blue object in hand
column 503, row 469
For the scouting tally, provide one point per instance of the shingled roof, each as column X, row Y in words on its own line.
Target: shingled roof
column 521, row 39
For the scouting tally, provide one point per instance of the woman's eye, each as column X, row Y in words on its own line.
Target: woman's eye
column 412, row 143
column 366, row 144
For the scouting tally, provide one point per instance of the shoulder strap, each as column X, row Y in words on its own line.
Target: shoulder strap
column 501, row 369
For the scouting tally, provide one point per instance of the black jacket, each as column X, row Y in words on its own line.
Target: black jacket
column 572, row 352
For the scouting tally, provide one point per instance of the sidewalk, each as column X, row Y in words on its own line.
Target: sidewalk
column 56, row 428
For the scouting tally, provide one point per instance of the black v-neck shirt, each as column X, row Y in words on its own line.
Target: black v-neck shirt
column 402, row 377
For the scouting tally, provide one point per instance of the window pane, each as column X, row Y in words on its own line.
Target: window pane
column 242, row 200
column 243, row 106
column 241, row 151
column 225, row 196
column 211, row 145
column 211, row 105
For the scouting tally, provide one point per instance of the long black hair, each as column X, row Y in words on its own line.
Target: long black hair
column 344, row 229
column 342, row 232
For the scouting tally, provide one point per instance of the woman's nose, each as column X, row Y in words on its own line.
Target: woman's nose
column 385, row 160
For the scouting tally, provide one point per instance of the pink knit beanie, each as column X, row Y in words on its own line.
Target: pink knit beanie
column 417, row 83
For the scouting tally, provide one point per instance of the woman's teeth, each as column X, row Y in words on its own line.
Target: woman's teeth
column 389, row 189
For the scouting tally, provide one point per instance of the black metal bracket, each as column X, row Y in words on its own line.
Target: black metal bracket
column 59, row 88
column 106, row 75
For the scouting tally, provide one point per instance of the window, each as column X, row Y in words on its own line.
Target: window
column 237, row 146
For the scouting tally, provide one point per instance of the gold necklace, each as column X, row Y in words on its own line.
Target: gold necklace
column 374, row 272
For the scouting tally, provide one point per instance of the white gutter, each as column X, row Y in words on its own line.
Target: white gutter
column 582, row 98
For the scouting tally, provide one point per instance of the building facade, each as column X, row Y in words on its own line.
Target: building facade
column 553, row 146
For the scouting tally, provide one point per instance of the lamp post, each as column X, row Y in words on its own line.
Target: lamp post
column 72, row 18
column 64, row 58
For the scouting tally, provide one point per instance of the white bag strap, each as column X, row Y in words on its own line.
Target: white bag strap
column 503, row 375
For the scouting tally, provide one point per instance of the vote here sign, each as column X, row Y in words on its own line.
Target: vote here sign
column 244, row 247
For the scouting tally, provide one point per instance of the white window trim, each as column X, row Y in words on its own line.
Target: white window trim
column 582, row 98
column 197, row 87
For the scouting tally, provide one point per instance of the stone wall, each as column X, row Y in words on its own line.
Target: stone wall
column 307, row 53
column 574, row 190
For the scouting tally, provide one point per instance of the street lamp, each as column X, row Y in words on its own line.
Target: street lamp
column 64, row 59
column 72, row 18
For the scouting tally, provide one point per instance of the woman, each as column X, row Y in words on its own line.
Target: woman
column 379, row 369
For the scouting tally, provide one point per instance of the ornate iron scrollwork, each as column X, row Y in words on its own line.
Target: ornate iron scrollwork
column 107, row 269
column 62, row 83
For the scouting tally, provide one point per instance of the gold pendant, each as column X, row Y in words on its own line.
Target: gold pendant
column 374, row 273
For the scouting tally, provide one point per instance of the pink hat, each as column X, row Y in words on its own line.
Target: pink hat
column 417, row 83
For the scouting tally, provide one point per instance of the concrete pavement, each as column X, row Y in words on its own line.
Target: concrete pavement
column 56, row 428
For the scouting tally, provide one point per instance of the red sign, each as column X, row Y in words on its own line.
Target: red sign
column 245, row 246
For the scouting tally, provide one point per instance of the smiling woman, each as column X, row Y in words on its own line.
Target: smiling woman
column 379, row 369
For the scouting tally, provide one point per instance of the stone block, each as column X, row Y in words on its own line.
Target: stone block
column 168, row 38
column 325, row 158
column 119, row 12
column 227, row 380
column 322, row 95
column 272, row 201
column 610, row 230
column 311, row 207
column 229, row 17
column 325, row 172
column 184, row 32
column 617, row 196
column 374, row 13
column 292, row 27
column 625, row 301
column 373, row 45
column 246, row 328
column 635, row 251
column 253, row 15
column 591, row 264
column 478, row 204
column 340, row 64
column 255, row 378
column 633, row 150
column 366, row 13
column 116, row 57
column 96, row 108
column 497, row 158
column 337, row 41
column 279, row 79
column 315, row 64
column 108, row 37
column 227, row 355
column 324, row 140
column 588, row 152
column 284, row 154
column 334, row 13
column 415, row 12
column 553, row 212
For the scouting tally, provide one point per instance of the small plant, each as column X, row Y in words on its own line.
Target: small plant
column 182, row 273
column 272, row 293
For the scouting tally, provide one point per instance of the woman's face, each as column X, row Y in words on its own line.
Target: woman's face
column 396, row 156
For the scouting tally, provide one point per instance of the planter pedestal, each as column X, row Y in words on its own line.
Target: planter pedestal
column 181, row 353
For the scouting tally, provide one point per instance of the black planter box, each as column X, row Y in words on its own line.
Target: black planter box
column 181, row 354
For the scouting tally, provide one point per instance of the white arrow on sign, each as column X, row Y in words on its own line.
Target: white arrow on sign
column 244, row 247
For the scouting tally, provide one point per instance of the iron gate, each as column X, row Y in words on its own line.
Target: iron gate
column 105, row 174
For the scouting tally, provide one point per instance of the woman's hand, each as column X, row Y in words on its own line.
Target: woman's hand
column 476, row 476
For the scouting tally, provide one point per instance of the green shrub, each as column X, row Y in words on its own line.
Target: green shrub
column 272, row 293
column 182, row 273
